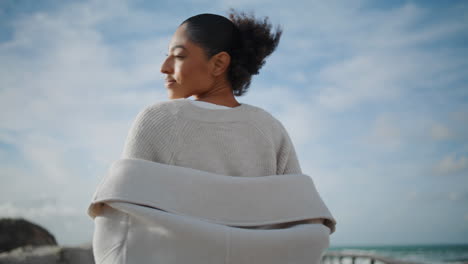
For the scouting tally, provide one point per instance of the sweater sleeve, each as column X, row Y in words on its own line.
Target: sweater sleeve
column 287, row 161
column 151, row 135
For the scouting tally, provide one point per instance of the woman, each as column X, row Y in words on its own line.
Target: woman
column 213, row 58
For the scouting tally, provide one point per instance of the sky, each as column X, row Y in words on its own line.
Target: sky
column 374, row 95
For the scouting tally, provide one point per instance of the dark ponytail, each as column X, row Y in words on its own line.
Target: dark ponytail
column 247, row 40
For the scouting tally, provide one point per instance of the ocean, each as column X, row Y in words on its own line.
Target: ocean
column 431, row 254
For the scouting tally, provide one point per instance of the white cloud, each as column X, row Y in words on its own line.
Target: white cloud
column 49, row 210
column 358, row 79
column 440, row 132
column 385, row 133
column 451, row 164
column 374, row 58
column 68, row 103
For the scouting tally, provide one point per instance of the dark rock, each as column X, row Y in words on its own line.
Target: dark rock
column 16, row 233
column 48, row 255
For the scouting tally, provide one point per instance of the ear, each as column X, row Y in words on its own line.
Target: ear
column 220, row 63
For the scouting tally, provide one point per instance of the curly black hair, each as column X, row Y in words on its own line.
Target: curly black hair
column 246, row 39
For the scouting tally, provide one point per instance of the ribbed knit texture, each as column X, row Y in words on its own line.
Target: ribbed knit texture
column 240, row 141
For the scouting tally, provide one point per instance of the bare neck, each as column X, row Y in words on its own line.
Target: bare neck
column 220, row 94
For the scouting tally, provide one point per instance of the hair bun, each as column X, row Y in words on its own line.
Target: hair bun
column 257, row 40
column 256, row 43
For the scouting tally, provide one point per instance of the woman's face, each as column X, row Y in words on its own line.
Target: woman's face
column 186, row 67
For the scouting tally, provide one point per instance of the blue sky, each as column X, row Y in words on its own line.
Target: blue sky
column 373, row 93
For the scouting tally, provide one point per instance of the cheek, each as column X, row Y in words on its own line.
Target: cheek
column 195, row 72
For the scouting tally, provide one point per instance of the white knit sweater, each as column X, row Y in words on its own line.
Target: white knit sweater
column 239, row 141
column 156, row 213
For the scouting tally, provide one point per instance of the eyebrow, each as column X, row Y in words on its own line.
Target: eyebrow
column 178, row 46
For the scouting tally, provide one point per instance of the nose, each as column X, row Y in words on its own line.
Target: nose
column 166, row 67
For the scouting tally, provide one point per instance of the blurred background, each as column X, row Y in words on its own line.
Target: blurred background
column 373, row 93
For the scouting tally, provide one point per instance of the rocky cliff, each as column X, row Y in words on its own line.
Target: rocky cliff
column 23, row 242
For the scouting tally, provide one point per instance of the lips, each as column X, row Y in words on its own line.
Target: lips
column 170, row 81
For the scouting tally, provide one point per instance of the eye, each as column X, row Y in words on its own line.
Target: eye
column 177, row 56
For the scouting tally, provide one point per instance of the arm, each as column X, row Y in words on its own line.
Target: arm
column 287, row 161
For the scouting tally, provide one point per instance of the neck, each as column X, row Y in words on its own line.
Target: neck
column 220, row 94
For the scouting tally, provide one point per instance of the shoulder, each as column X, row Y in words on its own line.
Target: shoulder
column 162, row 107
column 268, row 123
column 268, row 118
column 151, row 134
column 259, row 113
column 158, row 114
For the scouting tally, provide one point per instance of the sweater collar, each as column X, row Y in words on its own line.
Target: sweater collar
column 193, row 111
